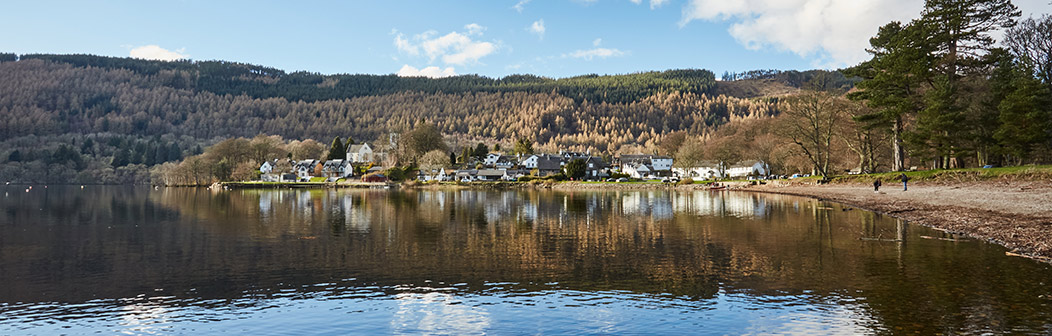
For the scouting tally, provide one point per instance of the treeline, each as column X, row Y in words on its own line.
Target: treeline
column 222, row 78
column 102, row 158
column 823, row 80
column 950, row 96
column 41, row 98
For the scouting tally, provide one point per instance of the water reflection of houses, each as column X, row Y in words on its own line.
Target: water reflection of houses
column 721, row 204
column 656, row 204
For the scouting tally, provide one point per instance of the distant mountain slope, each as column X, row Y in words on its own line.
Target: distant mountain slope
column 89, row 94
column 256, row 81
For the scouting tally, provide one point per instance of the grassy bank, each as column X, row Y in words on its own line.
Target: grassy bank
column 1019, row 173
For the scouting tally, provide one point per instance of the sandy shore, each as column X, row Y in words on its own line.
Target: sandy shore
column 1017, row 215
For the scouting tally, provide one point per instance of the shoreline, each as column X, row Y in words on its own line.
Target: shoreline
column 1018, row 216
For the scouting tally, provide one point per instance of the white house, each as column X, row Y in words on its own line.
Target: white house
column 657, row 165
column 305, row 169
column 530, row 162
column 661, row 162
column 361, row 153
column 337, row 169
column 268, row 166
column 703, row 170
column 746, row 168
column 491, row 159
column 637, row 170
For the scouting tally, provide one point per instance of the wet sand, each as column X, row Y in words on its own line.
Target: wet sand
column 1017, row 215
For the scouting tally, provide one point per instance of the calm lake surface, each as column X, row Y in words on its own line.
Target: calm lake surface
column 132, row 260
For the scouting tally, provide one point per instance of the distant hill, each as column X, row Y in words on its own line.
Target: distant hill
column 51, row 102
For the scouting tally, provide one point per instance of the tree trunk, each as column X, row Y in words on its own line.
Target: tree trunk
column 899, row 162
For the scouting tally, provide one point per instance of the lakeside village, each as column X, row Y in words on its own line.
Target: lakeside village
column 360, row 164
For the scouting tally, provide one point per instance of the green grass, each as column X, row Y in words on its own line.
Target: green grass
column 317, row 179
column 956, row 175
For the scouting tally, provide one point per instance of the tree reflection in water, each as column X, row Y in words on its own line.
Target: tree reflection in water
column 692, row 251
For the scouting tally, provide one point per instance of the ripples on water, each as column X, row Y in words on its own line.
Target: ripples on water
column 188, row 261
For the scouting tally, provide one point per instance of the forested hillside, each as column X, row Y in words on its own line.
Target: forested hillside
column 71, row 97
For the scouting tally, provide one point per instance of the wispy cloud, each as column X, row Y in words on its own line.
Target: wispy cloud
column 474, row 29
column 452, row 48
column 537, row 28
column 591, row 54
column 431, row 71
column 521, row 5
column 654, row 4
column 154, row 52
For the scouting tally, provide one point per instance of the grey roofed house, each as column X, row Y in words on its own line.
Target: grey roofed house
column 490, row 174
column 335, row 168
column 549, row 162
column 306, row 164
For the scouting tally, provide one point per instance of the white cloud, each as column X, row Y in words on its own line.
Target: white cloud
column 590, row 54
column 405, row 46
column 474, row 29
column 154, row 52
column 453, row 48
column 654, row 4
column 431, row 71
column 538, row 28
column 835, row 31
column 521, row 5
column 597, row 42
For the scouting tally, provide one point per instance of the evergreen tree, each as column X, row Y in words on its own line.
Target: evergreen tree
column 452, row 158
column 480, row 151
column 15, row 156
column 160, row 154
column 336, row 151
column 87, row 147
column 575, row 169
column 350, row 141
column 174, row 152
column 1025, row 117
column 149, row 155
column 960, row 32
column 120, row 158
column 523, row 146
column 892, row 81
column 466, row 155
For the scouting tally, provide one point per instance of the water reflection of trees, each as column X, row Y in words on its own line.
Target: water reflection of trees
column 224, row 244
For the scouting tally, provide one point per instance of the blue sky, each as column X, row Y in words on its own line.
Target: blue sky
column 492, row 38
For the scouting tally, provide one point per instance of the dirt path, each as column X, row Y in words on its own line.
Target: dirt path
column 1017, row 215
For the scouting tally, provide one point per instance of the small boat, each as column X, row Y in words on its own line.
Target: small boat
column 718, row 188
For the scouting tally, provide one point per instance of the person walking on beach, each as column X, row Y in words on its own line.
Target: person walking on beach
column 904, row 179
column 876, row 185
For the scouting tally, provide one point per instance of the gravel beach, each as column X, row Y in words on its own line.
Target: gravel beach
column 1017, row 215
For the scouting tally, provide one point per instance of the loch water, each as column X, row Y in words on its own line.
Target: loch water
column 136, row 260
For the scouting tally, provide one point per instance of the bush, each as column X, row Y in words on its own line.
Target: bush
column 686, row 181
column 527, row 178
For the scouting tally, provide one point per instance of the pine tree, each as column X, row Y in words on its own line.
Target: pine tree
column 892, row 81
column 480, row 151
column 960, row 32
column 120, row 158
column 336, row 151
column 1024, row 117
